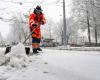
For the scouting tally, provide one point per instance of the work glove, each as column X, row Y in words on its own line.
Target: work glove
column 42, row 22
column 34, row 25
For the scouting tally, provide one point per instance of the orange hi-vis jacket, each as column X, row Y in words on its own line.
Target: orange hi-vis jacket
column 34, row 19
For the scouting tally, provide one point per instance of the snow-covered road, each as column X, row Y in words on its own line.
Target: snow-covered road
column 57, row 65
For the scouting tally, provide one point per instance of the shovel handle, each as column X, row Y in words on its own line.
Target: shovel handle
column 28, row 37
column 30, row 34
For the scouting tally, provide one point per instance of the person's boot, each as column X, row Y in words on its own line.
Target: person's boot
column 35, row 51
column 39, row 49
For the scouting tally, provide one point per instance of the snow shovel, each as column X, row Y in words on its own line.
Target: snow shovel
column 27, row 49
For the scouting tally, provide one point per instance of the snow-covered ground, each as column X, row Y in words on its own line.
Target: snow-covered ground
column 54, row 64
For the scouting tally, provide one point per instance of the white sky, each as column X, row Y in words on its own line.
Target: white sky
column 49, row 7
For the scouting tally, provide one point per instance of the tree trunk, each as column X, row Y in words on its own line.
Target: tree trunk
column 88, row 24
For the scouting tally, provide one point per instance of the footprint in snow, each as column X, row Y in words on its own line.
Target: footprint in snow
column 45, row 63
column 45, row 72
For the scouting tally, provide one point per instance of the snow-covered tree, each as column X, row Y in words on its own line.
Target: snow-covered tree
column 19, row 29
column 86, row 14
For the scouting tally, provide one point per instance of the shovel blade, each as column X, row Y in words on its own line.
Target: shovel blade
column 27, row 49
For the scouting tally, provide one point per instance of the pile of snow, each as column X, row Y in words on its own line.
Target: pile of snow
column 17, row 57
column 2, row 57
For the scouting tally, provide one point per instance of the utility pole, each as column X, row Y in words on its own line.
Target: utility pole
column 94, row 19
column 64, row 24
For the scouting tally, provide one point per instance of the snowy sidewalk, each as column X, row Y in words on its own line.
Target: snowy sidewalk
column 79, row 48
column 57, row 65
